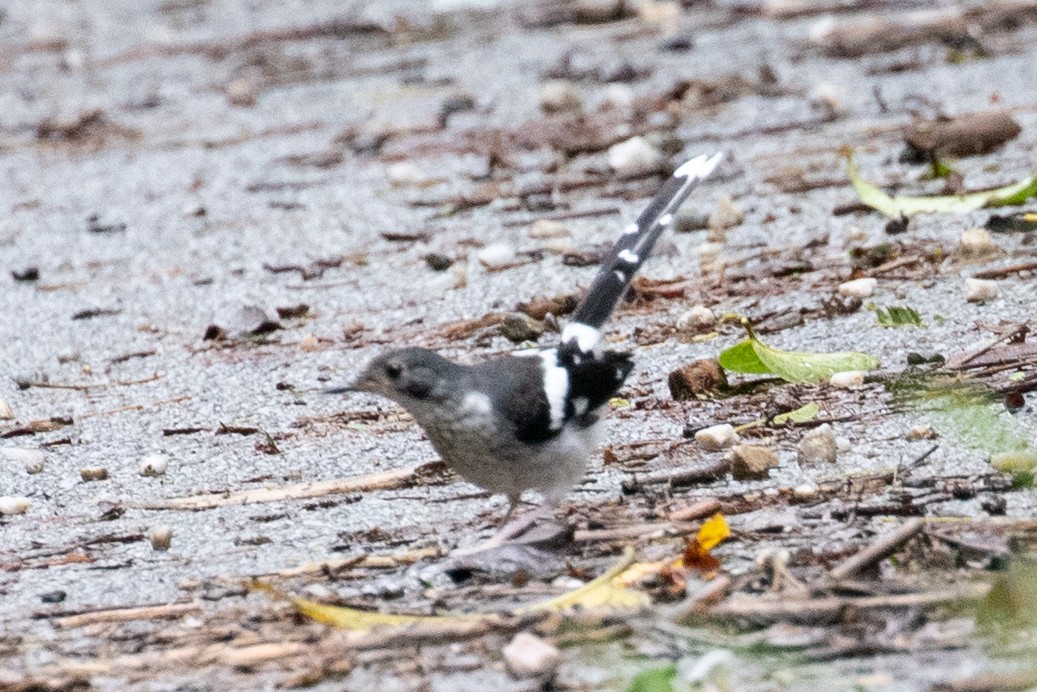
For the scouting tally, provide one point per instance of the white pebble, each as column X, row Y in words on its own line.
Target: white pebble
column 859, row 288
column 845, row 380
column 32, row 459
column 161, row 537
column 726, row 215
column 6, row 412
column 977, row 241
column 496, row 256
column 818, row 446
column 709, row 258
column 711, row 666
column 618, row 96
column 527, row 655
column 717, row 437
column 406, row 173
column 154, row 465
column 829, row 98
column 980, row 290
column 698, row 317
column 93, row 473
column 544, row 229
column 843, row 444
column 921, row 432
column 559, row 95
column 807, row 491
column 14, row 505
column 635, row 155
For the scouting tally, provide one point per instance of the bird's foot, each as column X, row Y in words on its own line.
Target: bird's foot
column 513, row 529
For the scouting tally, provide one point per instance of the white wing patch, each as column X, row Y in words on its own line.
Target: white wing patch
column 628, row 257
column 556, row 387
column 585, row 335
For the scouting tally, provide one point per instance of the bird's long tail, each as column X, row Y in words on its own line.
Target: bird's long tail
column 582, row 333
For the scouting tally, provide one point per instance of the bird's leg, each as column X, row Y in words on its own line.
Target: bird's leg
column 511, row 529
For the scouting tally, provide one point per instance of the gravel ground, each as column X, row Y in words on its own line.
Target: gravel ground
column 277, row 175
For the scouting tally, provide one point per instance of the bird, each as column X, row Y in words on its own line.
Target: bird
column 532, row 419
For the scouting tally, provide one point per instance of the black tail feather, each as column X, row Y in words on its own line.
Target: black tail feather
column 630, row 252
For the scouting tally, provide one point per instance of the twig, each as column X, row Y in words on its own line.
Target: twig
column 680, row 476
column 819, row 611
column 562, row 215
column 171, row 610
column 1006, row 271
column 879, row 549
column 702, row 601
column 88, row 387
column 385, row 480
column 359, row 561
column 1007, row 335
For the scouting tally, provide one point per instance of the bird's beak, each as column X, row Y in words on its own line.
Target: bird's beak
column 364, row 383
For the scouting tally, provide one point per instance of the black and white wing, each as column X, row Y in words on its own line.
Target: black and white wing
column 583, row 332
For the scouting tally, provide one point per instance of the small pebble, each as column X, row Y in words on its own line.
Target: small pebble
column 980, row 290
column 635, row 155
column 154, row 465
column 618, row 96
column 406, row 173
column 545, row 229
column 93, row 473
column 32, row 459
column 859, row 288
column 518, row 327
column 695, row 380
column 843, row 445
column 847, row 379
column 709, row 258
column 559, row 95
column 242, row 92
column 162, row 537
column 726, row 215
column 496, row 256
column 437, row 262
column 53, row 596
column 527, row 655
column 751, row 462
column 807, row 491
column 309, row 343
column 829, row 98
column 6, row 412
column 818, row 446
column 698, row 318
column 920, row 432
column 977, row 241
column 717, row 437
column 14, row 505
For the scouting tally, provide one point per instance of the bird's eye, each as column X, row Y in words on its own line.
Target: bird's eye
column 393, row 370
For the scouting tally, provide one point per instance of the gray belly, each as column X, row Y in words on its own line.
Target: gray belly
column 471, row 446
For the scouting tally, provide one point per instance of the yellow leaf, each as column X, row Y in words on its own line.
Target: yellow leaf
column 597, row 593
column 713, row 531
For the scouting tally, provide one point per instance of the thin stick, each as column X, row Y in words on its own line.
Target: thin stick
column 385, row 480
column 879, row 549
column 172, row 610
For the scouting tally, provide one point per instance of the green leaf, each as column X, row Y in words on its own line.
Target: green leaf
column 654, row 680
column 742, row 358
column 1012, row 601
column 803, row 414
column 903, row 205
column 898, row 316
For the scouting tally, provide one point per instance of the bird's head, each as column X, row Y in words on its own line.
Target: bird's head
column 405, row 376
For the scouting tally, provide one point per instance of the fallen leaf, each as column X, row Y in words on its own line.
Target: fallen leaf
column 752, row 356
column 903, row 205
column 696, row 551
column 803, row 414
